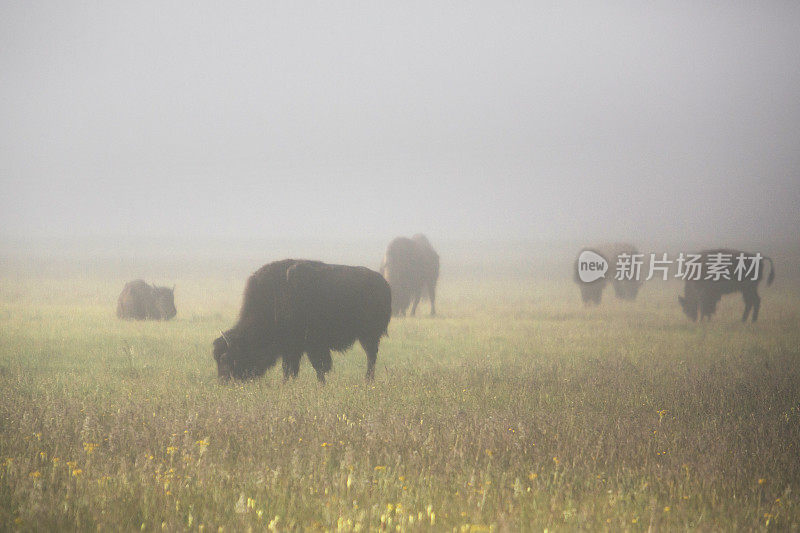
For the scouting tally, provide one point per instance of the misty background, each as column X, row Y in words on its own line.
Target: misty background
column 235, row 128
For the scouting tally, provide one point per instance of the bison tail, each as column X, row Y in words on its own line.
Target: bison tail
column 771, row 276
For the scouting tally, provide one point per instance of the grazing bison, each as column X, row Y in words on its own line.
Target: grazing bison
column 140, row 301
column 625, row 289
column 409, row 266
column 700, row 296
column 295, row 306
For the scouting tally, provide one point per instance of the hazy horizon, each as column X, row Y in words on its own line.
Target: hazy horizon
column 658, row 122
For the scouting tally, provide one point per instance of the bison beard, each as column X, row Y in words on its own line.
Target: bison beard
column 701, row 296
column 293, row 307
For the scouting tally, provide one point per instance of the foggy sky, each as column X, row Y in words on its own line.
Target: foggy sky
column 631, row 120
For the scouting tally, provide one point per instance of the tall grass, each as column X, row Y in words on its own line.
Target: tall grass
column 516, row 408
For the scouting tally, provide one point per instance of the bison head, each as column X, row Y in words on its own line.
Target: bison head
column 165, row 302
column 689, row 306
column 225, row 363
column 240, row 357
column 708, row 306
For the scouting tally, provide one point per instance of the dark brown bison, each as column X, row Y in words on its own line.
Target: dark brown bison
column 140, row 301
column 701, row 296
column 624, row 289
column 411, row 266
column 295, row 306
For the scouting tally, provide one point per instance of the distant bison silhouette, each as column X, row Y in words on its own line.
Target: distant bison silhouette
column 293, row 307
column 140, row 301
column 701, row 296
column 411, row 266
column 626, row 289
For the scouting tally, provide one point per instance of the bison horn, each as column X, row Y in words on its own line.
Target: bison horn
column 225, row 338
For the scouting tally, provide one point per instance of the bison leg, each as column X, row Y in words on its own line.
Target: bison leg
column 291, row 366
column 751, row 301
column 747, row 306
column 399, row 302
column 415, row 302
column 432, row 297
column 321, row 361
column 619, row 290
column 756, row 305
column 371, row 347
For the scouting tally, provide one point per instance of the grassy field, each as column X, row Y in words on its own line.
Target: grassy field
column 515, row 409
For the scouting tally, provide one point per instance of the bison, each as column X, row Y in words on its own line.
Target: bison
column 295, row 306
column 140, row 301
column 624, row 289
column 701, row 296
column 411, row 266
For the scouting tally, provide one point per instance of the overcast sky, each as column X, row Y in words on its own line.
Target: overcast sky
column 580, row 120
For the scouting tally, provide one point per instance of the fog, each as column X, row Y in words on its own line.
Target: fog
column 644, row 121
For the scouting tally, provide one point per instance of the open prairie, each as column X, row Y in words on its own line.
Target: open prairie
column 515, row 408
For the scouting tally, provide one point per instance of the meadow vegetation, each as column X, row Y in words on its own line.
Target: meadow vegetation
column 514, row 409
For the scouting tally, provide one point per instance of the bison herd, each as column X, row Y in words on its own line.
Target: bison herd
column 294, row 307
column 592, row 292
column 701, row 292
